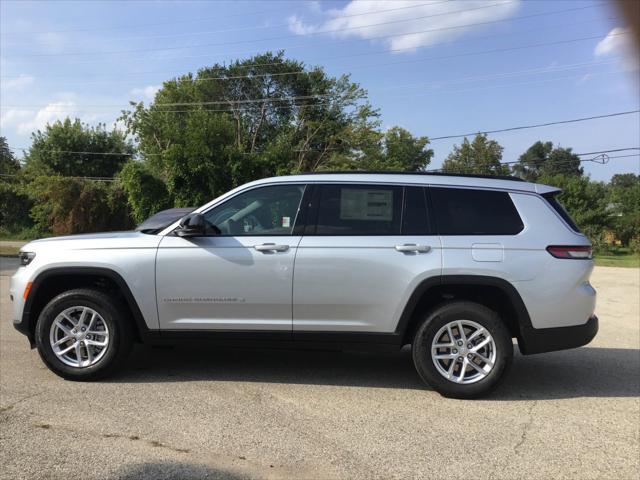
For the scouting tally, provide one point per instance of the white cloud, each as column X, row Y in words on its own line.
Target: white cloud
column 12, row 117
column 27, row 121
column 618, row 42
column 146, row 93
column 17, row 83
column 369, row 20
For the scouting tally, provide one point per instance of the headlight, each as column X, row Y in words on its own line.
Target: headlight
column 26, row 258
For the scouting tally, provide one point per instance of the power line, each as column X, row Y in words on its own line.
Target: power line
column 378, row 52
column 319, row 102
column 306, row 45
column 306, row 97
column 113, row 179
column 172, row 22
column 182, row 77
column 510, row 129
column 276, row 25
column 319, row 32
column 605, row 160
column 99, row 179
column 608, row 151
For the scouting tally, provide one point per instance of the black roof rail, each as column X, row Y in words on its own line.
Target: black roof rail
column 441, row 174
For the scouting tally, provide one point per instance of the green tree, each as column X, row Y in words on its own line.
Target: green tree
column 482, row 156
column 625, row 206
column 404, row 152
column 9, row 164
column 543, row 159
column 586, row 201
column 105, row 151
column 263, row 116
column 67, row 205
column 146, row 193
column 14, row 204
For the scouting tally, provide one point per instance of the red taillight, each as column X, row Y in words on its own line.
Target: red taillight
column 570, row 251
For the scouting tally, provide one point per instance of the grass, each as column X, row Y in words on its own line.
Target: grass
column 619, row 257
column 9, row 251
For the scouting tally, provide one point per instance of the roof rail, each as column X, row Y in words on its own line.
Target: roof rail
column 387, row 172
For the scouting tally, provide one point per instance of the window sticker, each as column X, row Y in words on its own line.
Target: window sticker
column 365, row 204
column 286, row 222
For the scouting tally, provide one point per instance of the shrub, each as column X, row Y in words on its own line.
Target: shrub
column 65, row 205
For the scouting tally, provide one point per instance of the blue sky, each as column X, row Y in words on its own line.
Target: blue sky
column 476, row 65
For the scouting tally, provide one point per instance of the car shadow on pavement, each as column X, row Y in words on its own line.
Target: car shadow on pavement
column 583, row 372
column 173, row 470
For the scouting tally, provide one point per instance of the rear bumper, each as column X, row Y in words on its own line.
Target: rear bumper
column 540, row 340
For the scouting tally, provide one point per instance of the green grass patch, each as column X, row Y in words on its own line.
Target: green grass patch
column 12, row 251
column 620, row 257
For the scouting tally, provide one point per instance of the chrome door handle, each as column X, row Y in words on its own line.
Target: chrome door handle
column 271, row 247
column 412, row 247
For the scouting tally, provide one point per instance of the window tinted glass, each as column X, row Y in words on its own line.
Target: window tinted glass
column 557, row 206
column 359, row 210
column 414, row 215
column 475, row 212
column 261, row 211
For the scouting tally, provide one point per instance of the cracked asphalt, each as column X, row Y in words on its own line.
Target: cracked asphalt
column 187, row 414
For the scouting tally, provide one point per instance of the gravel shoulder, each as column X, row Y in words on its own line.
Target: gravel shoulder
column 186, row 413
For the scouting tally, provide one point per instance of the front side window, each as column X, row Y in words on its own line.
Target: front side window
column 461, row 211
column 359, row 210
column 261, row 211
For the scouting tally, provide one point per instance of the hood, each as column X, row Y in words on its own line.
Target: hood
column 95, row 241
column 87, row 236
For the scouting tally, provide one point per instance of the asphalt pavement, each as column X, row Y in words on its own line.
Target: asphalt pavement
column 186, row 414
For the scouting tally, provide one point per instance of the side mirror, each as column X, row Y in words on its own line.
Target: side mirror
column 193, row 225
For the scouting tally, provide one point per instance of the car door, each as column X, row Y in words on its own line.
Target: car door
column 237, row 279
column 365, row 250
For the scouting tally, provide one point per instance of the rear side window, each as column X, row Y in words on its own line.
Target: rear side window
column 359, row 210
column 461, row 211
column 557, row 206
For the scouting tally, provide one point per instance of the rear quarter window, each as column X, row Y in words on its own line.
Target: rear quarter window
column 462, row 211
column 560, row 210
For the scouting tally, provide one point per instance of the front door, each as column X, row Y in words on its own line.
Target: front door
column 237, row 279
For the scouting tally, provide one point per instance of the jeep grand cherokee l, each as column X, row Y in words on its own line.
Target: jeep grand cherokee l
column 455, row 266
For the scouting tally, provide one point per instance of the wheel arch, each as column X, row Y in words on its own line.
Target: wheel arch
column 54, row 281
column 493, row 292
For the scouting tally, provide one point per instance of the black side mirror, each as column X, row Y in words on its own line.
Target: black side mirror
column 193, row 225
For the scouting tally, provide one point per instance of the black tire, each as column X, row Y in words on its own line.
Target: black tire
column 115, row 316
column 438, row 318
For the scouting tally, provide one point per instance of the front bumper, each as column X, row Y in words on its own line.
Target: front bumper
column 540, row 340
column 17, row 286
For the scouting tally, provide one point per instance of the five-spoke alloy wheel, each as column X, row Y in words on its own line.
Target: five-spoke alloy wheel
column 462, row 349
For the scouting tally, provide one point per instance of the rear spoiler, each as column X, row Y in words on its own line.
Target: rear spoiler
column 542, row 189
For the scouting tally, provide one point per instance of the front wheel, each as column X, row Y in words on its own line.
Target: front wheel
column 83, row 334
column 462, row 349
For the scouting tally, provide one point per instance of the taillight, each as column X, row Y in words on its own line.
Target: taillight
column 572, row 252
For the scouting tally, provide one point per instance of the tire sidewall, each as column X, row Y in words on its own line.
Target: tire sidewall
column 110, row 314
column 433, row 322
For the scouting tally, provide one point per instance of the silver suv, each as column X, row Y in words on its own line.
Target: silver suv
column 454, row 265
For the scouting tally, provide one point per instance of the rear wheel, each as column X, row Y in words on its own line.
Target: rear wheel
column 462, row 349
column 83, row 334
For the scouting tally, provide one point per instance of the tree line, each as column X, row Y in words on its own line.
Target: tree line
column 225, row 125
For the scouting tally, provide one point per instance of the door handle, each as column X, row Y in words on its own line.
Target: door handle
column 412, row 247
column 271, row 247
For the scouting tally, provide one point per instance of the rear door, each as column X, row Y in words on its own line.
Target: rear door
column 365, row 248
